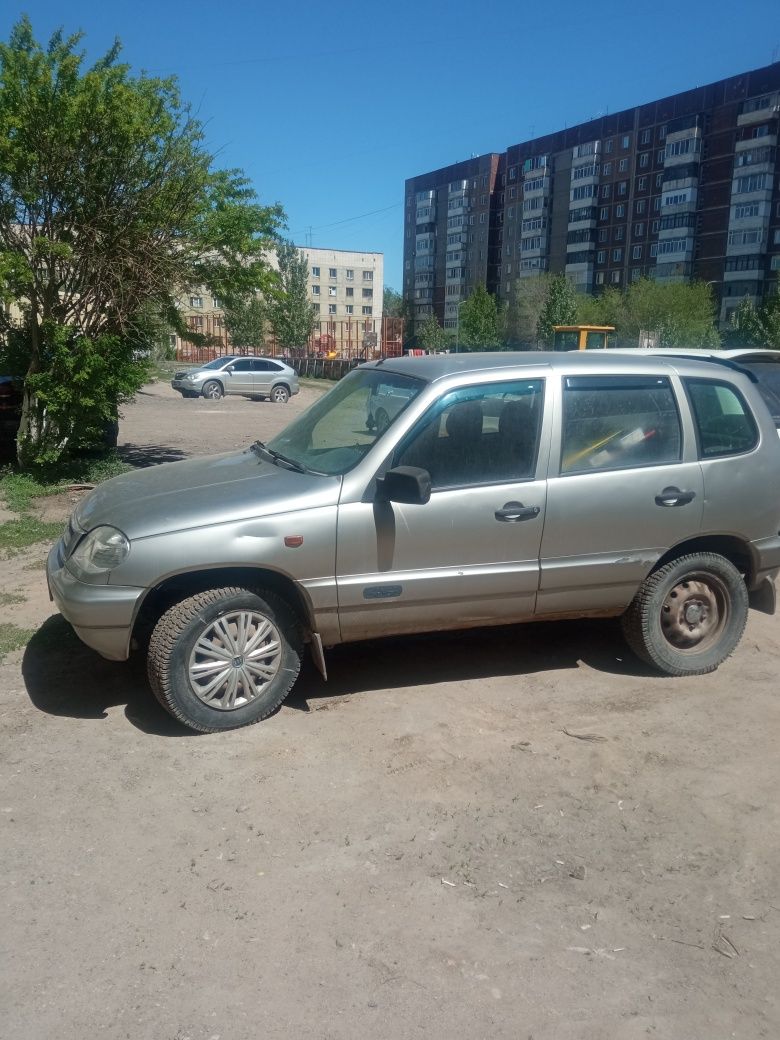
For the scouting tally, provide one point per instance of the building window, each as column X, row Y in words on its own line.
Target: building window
column 604, row 213
column 617, row 255
column 331, row 308
column 656, row 226
column 331, row 272
column 616, row 277
column 654, row 249
column 350, row 291
column 607, row 169
column 639, row 230
column 350, row 274
column 599, row 278
column 644, row 159
column 349, row 309
column 316, row 307
column 608, row 145
column 605, row 190
column 662, row 132
column 368, row 310
column 660, row 156
column 620, row 210
column 623, row 188
column 622, row 165
column 196, row 301
column 641, row 184
column 646, row 136
column 620, row 234
column 639, row 208
column 332, row 290
column 603, row 235
column 625, row 141
column 368, row 294
column 315, row 272
column 636, row 253
column 601, row 256
column 216, row 304
column 315, row 290
column 368, row 276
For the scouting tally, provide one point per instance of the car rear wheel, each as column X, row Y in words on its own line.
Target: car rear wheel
column 212, row 390
column 224, row 658
column 280, row 395
column 689, row 615
column 382, row 420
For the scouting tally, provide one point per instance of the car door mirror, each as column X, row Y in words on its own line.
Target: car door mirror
column 407, row 484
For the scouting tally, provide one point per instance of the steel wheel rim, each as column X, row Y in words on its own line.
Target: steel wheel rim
column 234, row 660
column 213, row 392
column 280, row 395
column 694, row 613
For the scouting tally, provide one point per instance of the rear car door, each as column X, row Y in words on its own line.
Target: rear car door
column 470, row 555
column 625, row 485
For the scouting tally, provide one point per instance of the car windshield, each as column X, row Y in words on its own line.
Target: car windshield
column 217, row 362
column 768, row 375
column 334, row 434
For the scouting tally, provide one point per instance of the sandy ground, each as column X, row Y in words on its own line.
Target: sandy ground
column 417, row 848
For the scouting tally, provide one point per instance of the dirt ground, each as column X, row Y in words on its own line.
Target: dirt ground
column 516, row 833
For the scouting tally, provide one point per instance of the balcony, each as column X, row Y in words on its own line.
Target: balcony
column 759, row 110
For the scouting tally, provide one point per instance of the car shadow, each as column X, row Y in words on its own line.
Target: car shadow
column 144, row 455
column 65, row 678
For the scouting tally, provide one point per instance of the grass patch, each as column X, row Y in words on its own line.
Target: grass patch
column 19, row 489
column 7, row 599
column 13, row 638
column 26, row 530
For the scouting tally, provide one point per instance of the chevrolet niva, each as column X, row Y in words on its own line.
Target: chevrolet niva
column 503, row 488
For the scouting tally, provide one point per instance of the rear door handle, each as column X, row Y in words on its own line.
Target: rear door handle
column 673, row 496
column 513, row 512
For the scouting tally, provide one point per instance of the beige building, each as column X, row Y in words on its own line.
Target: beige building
column 344, row 284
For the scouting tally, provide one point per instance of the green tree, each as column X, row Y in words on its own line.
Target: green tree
column 526, row 303
column 478, row 326
column 292, row 315
column 110, row 209
column 560, row 307
column 430, row 335
column 245, row 321
column 393, row 303
column 753, row 326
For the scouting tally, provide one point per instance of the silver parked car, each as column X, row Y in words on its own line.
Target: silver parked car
column 507, row 488
column 254, row 377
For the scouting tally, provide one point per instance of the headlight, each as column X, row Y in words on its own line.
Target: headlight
column 100, row 551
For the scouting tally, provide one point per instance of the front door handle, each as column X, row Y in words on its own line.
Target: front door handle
column 673, row 496
column 512, row 512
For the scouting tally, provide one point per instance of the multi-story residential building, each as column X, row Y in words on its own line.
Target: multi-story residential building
column 344, row 284
column 677, row 189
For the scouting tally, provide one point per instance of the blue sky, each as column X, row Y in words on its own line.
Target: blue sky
column 329, row 107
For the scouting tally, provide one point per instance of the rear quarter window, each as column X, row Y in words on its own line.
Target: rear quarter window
column 724, row 421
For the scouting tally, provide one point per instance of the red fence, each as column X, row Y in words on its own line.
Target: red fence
column 350, row 339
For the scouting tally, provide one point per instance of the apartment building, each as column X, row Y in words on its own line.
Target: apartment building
column 677, row 189
column 344, row 284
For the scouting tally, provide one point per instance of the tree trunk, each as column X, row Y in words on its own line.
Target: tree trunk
column 28, row 420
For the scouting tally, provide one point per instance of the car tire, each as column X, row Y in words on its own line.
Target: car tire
column 688, row 616
column 382, row 421
column 280, row 395
column 194, row 637
column 212, row 390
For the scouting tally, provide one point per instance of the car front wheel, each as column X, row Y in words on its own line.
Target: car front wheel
column 212, row 390
column 280, row 395
column 224, row 658
column 689, row 615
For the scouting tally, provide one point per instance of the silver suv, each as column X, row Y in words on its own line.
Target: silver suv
column 506, row 488
column 254, row 377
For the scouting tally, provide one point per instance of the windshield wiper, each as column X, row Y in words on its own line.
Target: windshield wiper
column 262, row 449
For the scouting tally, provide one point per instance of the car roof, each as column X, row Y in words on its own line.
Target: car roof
column 730, row 354
column 437, row 366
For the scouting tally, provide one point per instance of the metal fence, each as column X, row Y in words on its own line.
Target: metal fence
column 347, row 340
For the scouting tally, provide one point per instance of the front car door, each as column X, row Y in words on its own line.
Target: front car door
column 470, row 556
column 625, row 486
column 239, row 377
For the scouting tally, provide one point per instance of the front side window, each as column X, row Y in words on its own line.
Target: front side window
column 618, row 422
column 242, row 365
column 478, row 435
column 724, row 423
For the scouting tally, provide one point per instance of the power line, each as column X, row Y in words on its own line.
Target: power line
column 360, row 216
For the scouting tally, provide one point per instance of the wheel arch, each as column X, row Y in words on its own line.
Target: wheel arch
column 734, row 549
column 176, row 587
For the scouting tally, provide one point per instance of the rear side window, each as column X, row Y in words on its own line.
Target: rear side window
column 724, row 423
column 618, row 422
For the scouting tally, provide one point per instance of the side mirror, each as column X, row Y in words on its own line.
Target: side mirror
column 407, row 484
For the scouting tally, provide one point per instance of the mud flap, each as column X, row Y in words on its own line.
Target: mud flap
column 763, row 597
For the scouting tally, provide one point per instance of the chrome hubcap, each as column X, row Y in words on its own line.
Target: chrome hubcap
column 235, row 659
column 694, row 613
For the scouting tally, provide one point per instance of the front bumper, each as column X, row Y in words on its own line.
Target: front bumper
column 101, row 615
column 182, row 384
